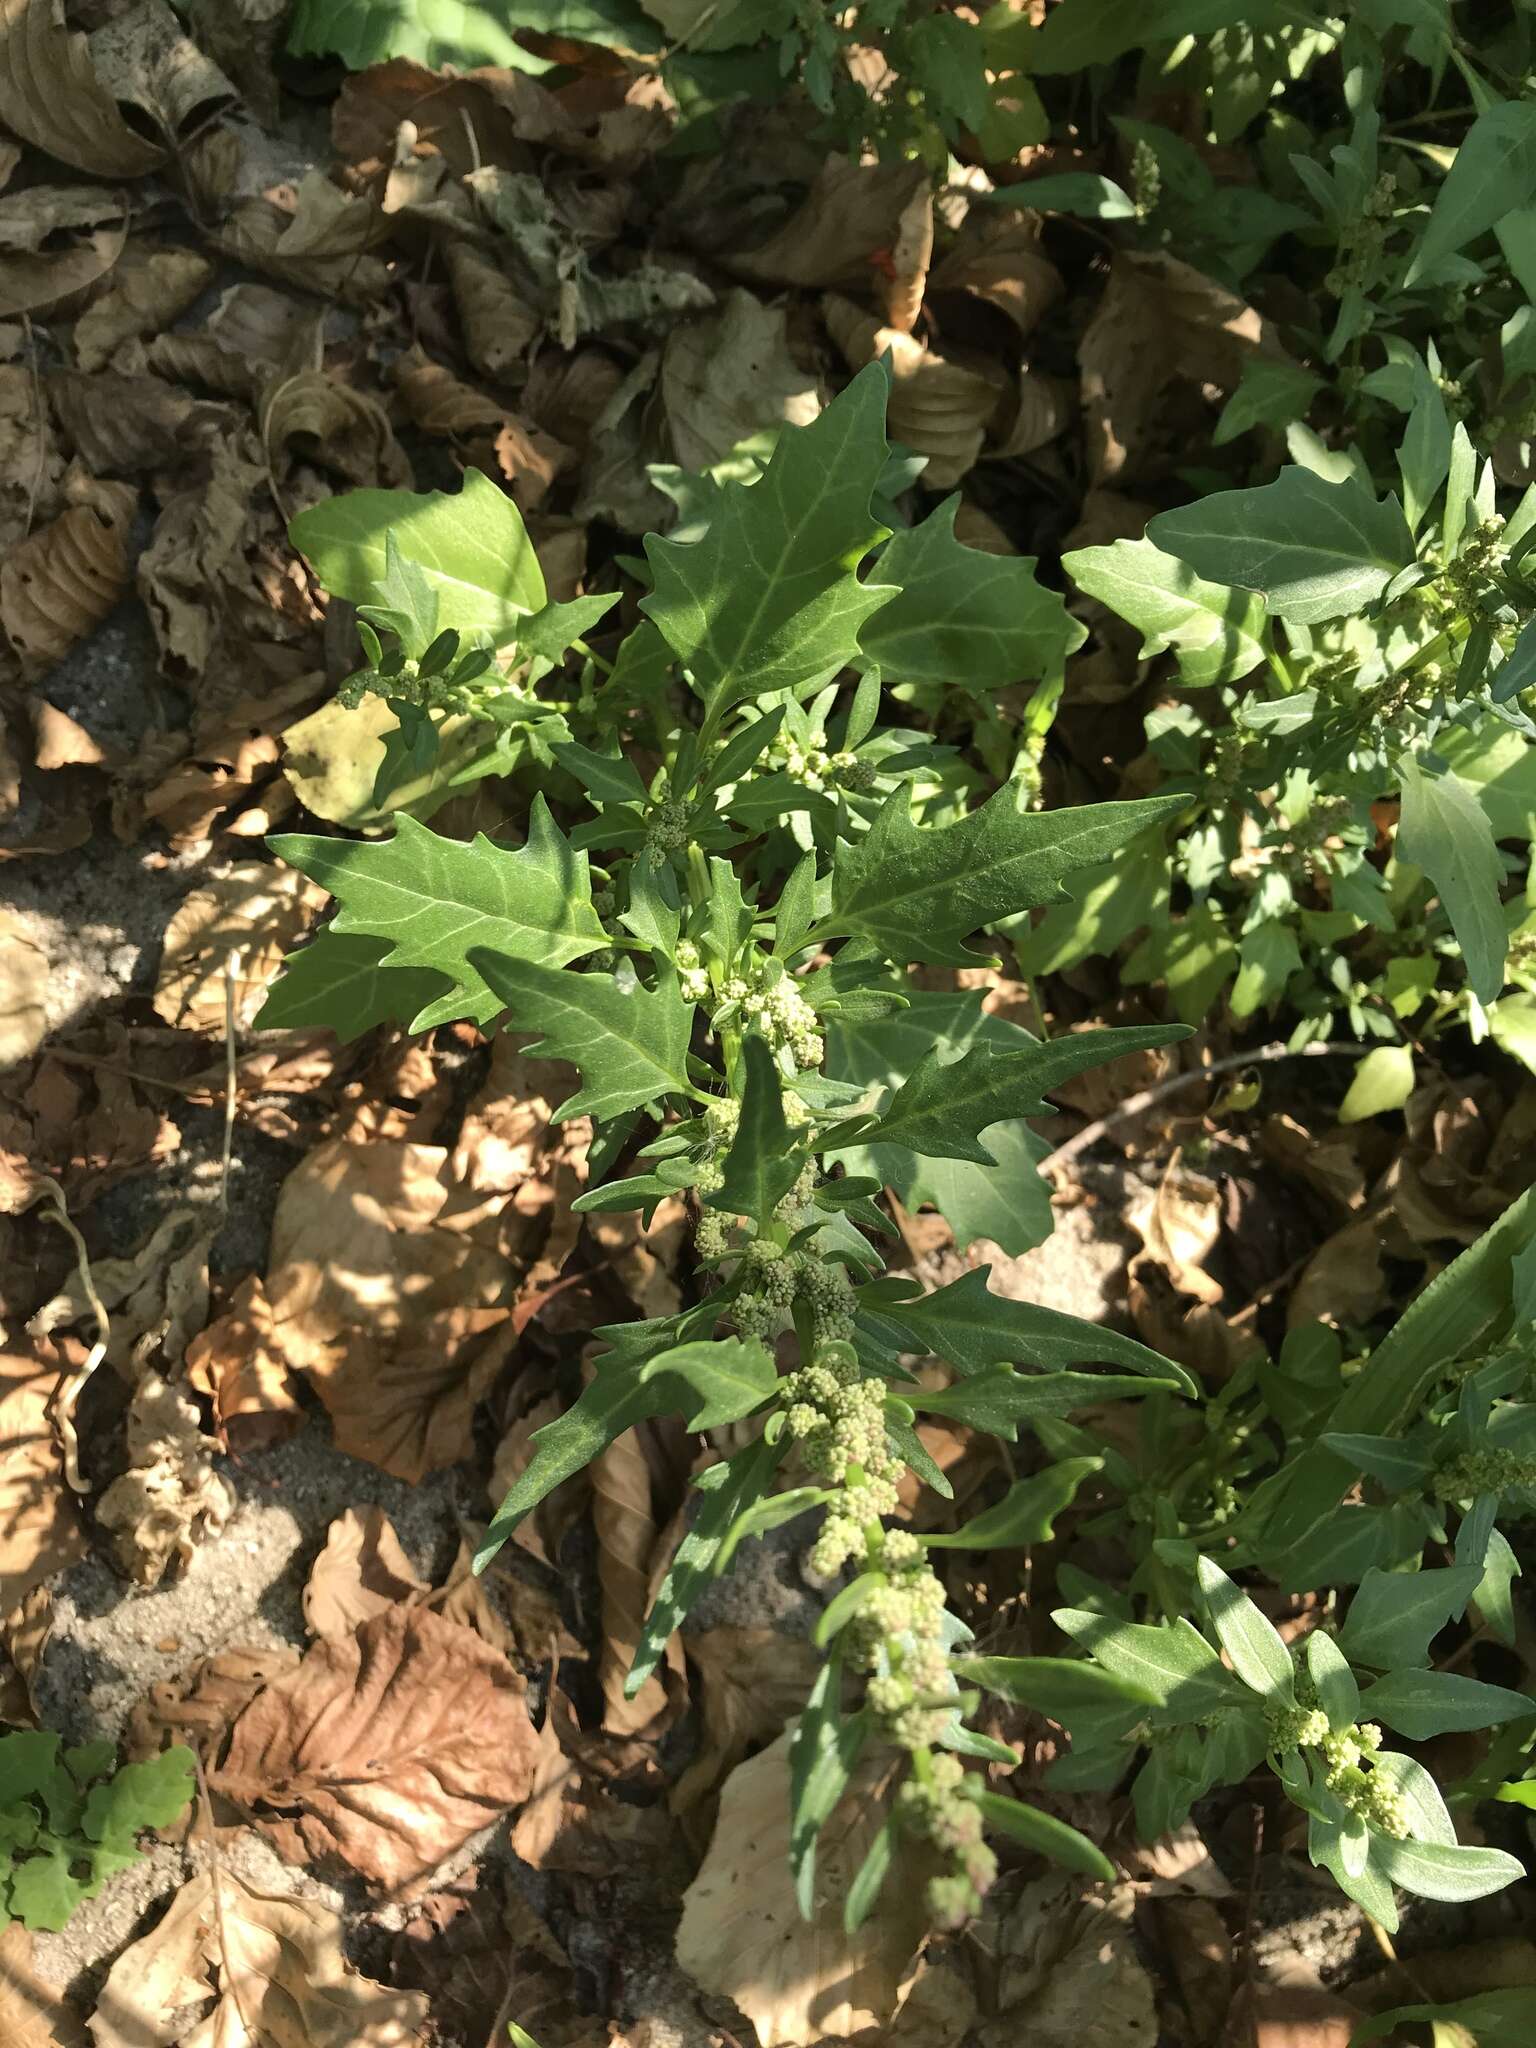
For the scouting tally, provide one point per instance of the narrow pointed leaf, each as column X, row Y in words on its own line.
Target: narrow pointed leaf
column 1026, row 1513
column 764, row 1161
column 1045, row 1834
column 1445, row 831
column 1252, row 1642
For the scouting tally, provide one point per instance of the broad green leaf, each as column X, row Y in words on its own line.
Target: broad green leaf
column 1512, row 1026
column 1115, row 899
column 1269, row 956
column 434, row 899
column 764, row 1159
column 463, row 32
column 631, row 1044
column 152, row 1794
column 1007, row 1204
column 1027, row 1511
column 1175, row 1665
column 943, row 1106
column 472, row 549
column 44, row 1890
column 1369, row 1888
column 918, row 891
column 1270, row 393
column 1445, row 831
column 339, row 983
column 1046, row 1835
column 1254, row 1646
column 999, row 1399
column 768, row 599
column 1494, row 174
column 1499, row 766
column 1420, row 1704
column 1395, row 1616
column 1441, row 1870
column 1424, row 456
column 728, row 1489
column 1334, row 1683
column 547, row 635
column 1081, row 32
column 1215, row 632
column 1382, row 1081
column 1399, row 1466
column 1316, row 550
column 972, row 1328
column 1492, row 2019
column 962, row 618
column 711, row 1381
column 1081, row 192
column 1062, row 1687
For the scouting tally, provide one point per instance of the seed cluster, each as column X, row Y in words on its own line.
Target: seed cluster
column 1485, row 1471
column 935, row 1809
column 1364, row 1792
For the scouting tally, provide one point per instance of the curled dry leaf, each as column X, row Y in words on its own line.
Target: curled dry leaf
column 237, row 1364
column 23, row 989
column 171, row 1498
column 146, row 59
column 200, row 1708
column 200, row 553
column 39, row 1530
column 911, row 254
column 626, row 1536
column 320, row 243
column 30, row 462
column 361, row 1572
column 51, row 96
column 499, row 322
column 62, row 582
column 389, row 1749
column 236, row 1967
column 25, row 1633
column 938, row 408
column 441, row 403
column 1068, row 1971
column 156, row 1296
column 253, row 911
column 729, row 375
column 150, row 288
column 32, row 2014
column 742, row 1936
column 1000, row 260
column 851, row 213
column 340, row 429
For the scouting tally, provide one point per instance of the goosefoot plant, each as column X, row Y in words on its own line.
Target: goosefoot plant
column 69, row 1820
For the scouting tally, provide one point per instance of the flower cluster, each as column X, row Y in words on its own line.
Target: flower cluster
column 812, row 766
column 782, row 1014
column 1493, row 1470
column 458, row 688
column 935, row 1809
column 1362, row 1791
column 667, row 830
column 1362, row 237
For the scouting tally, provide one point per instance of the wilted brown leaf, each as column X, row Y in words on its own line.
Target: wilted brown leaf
column 151, row 287
column 751, row 1682
column 328, row 423
column 361, row 1572
column 729, row 375
column 156, row 1295
column 84, row 1125
column 132, row 426
column 25, row 1633
column 1000, row 260
column 51, row 96
column 171, row 1498
column 235, row 1967
column 320, row 241
column 742, row 1935
column 144, row 58
column 32, row 2014
column 938, row 407
column 499, row 322
column 62, row 582
column 199, row 1708
column 851, row 213
column 911, row 254
column 254, row 911
column 39, row 1530
column 23, row 989
column 388, row 1750
column 237, row 1364
column 1068, row 1971
column 626, row 1534
column 441, row 403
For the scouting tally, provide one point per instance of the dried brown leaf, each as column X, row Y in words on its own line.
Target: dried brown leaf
column 626, row 1534
column 42, row 284
column 389, row 1749
column 151, row 287
column 59, row 585
column 499, row 322
column 145, row 59
column 328, row 423
column 230, row 1965
column 938, row 407
column 199, row 1708
column 911, row 254
column 441, row 403
column 321, row 242
column 25, row 1632
column 23, row 988
column 39, row 1530
column 742, row 1935
column 171, row 1498
column 156, row 1295
column 751, row 1682
column 1068, row 1971
column 32, row 2014
column 361, row 1572
column 254, row 911
column 237, row 1364
column 51, row 95
column 729, row 375
column 999, row 259
column 851, row 212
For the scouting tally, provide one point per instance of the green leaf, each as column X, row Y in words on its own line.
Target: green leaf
column 871, row 1875
column 1270, row 956
column 1216, row 632
column 339, row 983
column 472, row 549
column 917, row 891
column 1424, row 456
column 767, row 599
column 712, row 1381
column 631, row 1044
column 433, row 899
column 1337, row 1693
column 764, row 1159
column 463, row 32
column 147, row 1795
column 728, row 1490
column 1175, row 1665
column 1512, row 1026
column 1395, row 1616
column 1085, row 193
column 45, row 1892
column 1253, row 1644
column 961, row 618
column 1027, row 1511
column 946, row 60
column 823, row 1750
column 1444, row 830
column 1007, row 1204
column 1316, row 550
column 944, row 1105
column 1446, row 1871
column 999, row 1399
column 1420, row 1704
column 547, row 635
column 1046, row 1835
column 1382, row 1081
column 1061, row 1687
column 1082, row 32
column 972, row 1328
column 1270, row 393
column 1494, row 174
column 612, row 1402
column 1492, row 2019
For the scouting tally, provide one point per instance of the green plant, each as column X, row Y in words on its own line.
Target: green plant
column 69, row 1820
